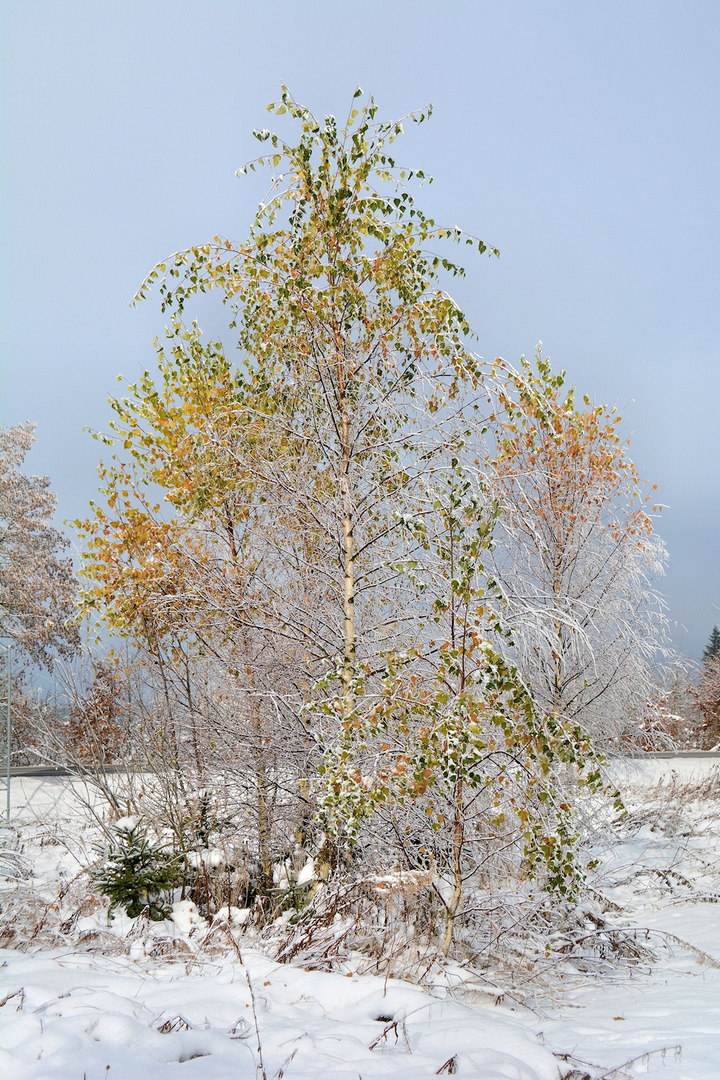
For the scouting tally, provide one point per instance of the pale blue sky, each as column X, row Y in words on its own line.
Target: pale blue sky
column 579, row 137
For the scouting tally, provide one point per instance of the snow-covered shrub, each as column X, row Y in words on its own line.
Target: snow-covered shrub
column 293, row 881
column 216, row 868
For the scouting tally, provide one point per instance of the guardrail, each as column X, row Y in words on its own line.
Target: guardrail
column 68, row 770
column 65, row 770
column 640, row 754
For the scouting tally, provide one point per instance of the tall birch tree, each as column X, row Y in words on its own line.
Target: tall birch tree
column 345, row 331
column 328, row 501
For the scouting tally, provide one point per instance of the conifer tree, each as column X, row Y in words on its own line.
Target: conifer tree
column 136, row 873
column 712, row 649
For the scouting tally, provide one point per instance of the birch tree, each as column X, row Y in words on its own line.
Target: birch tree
column 173, row 561
column 577, row 556
column 348, row 336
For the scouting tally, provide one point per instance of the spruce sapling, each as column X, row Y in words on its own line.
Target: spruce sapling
column 136, row 873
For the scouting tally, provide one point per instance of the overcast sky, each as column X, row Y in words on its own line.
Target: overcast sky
column 581, row 138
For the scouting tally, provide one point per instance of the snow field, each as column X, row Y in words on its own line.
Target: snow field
column 71, row 1013
column 75, row 1015
column 85, row 1010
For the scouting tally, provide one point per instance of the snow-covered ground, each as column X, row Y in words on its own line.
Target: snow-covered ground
column 74, row 1007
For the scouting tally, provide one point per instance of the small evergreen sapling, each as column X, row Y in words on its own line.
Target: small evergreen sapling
column 136, row 873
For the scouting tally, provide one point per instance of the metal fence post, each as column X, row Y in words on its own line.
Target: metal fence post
column 8, row 723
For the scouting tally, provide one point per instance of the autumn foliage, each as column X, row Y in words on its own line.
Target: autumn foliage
column 96, row 730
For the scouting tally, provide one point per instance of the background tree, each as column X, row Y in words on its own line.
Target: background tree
column 96, row 730
column 672, row 719
column 712, row 649
column 708, row 700
column 576, row 556
column 707, row 691
column 37, row 586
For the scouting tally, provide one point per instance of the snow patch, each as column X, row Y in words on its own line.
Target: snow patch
column 187, row 918
column 127, row 823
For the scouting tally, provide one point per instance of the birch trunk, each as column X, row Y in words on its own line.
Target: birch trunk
column 458, row 836
column 349, row 633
